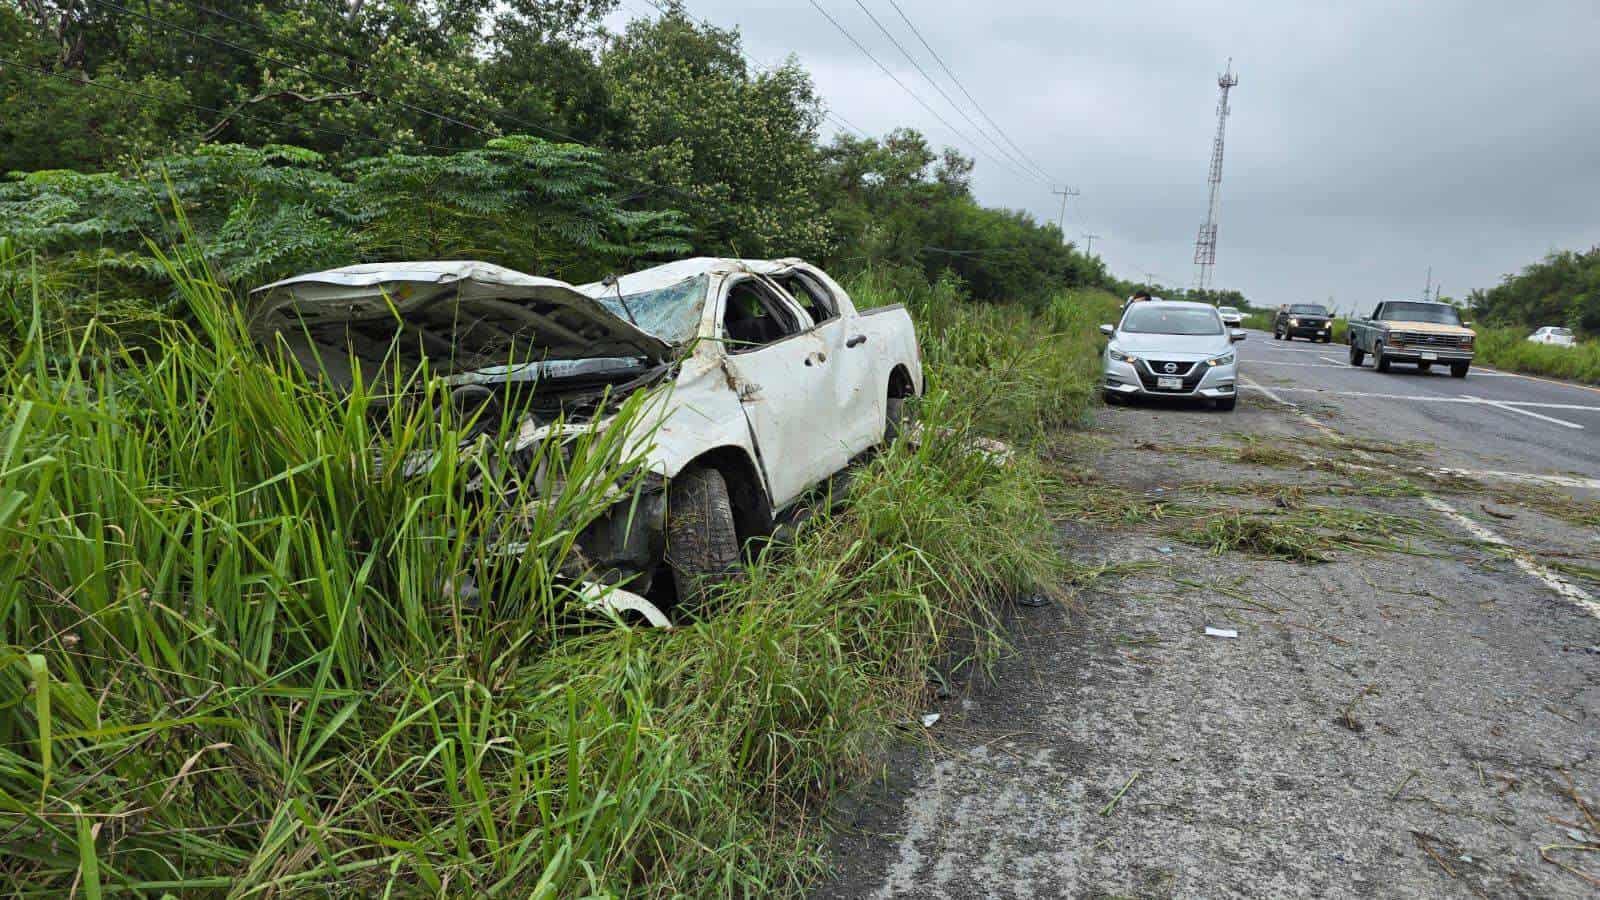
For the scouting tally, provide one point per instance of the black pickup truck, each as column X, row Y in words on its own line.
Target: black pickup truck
column 1307, row 320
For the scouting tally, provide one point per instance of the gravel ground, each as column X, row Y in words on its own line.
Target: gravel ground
column 1384, row 725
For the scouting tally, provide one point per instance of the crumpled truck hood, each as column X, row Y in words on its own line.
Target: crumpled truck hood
column 460, row 315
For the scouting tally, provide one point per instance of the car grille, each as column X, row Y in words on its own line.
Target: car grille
column 1190, row 372
column 1423, row 339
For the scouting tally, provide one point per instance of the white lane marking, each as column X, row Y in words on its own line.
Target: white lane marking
column 1566, row 384
column 1531, row 477
column 1339, row 365
column 1551, row 580
column 1509, row 408
column 1426, row 399
column 1554, row 582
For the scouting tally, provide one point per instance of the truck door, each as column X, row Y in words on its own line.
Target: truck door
column 778, row 365
column 852, row 360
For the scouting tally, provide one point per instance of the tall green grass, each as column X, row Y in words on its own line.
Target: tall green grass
column 1509, row 348
column 233, row 658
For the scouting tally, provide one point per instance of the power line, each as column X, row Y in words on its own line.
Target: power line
column 759, row 66
column 1014, row 165
column 975, row 104
column 868, row 54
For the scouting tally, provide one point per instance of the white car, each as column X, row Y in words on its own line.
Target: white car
column 1231, row 317
column 1171, row 349
column 1554, row 336
column 776, row 381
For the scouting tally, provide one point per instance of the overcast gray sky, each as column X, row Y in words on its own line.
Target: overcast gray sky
column 1368, row 140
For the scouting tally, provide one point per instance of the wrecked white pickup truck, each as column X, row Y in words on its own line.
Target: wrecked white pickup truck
column 775, row 380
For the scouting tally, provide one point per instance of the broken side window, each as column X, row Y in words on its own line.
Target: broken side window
column 817, row 300
column 755, row 316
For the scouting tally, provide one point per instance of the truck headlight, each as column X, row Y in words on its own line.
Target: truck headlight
column 1294, row 321
column 1119, row 356
column 1225, row 359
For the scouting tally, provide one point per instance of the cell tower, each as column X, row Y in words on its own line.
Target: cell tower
column 1205, row 246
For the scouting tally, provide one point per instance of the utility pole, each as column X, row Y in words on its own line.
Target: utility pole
column 1088, row 246
column 1205, row 246
column 1428, row 287
column 1061, row 223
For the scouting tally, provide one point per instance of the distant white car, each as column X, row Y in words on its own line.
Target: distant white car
column 1230, row 317
column 1554, row 336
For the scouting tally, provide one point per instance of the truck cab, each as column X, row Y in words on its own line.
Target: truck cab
column 1418, row 332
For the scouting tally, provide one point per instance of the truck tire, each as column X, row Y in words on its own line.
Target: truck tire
column 1276, row 335
column 1357, row 357
column 1424, row 367
column 895, row 419
column 1379, row 361
column 702, row 542
column 1459, row 370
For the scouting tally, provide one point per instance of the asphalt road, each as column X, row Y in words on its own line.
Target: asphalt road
column 1488, row 422
column 1420, row 722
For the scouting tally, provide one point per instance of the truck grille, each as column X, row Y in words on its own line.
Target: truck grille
column 1190, row 372
column 1424, row 339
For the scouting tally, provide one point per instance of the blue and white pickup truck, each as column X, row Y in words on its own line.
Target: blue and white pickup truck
column 1418, row 332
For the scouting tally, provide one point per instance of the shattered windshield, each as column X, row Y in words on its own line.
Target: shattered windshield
column 671, row 313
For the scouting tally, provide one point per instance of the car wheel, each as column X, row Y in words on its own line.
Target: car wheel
column 1227, row 404
column 702, row 542
column 895, row 419
column 1357, row 357
column 1110, row 398
column 1459, row 370
column 1379, row 361
column 1424, row 367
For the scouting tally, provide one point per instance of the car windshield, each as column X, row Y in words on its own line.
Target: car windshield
column 1144, row 318
column 671, row 313
column 1435, row 313
column 1308, row 309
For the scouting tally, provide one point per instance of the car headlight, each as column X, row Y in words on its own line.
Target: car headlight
column 1119, row 356
column 1294, row 321
column 1225, row 359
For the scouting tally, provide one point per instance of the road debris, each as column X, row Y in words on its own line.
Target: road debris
column 930, row 719
column 1221, row 632
column 1106, row 810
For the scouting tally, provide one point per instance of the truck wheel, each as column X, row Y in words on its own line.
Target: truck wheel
column 1459, row 370
column 1424, row 367
column 1379, row 361
column 1276, row 335
column 1356, row 355
column 895, row 419
column 702, row 543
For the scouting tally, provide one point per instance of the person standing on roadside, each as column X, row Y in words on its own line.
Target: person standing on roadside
column 1139, row 295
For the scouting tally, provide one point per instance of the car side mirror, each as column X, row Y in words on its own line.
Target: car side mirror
column 1108, row 330
column 1237, row 335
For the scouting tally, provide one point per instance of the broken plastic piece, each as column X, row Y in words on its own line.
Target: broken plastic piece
column 617, row 600
column 929, row 719
column 1221, row 632
column 1163, row 549
column 1033, row 600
